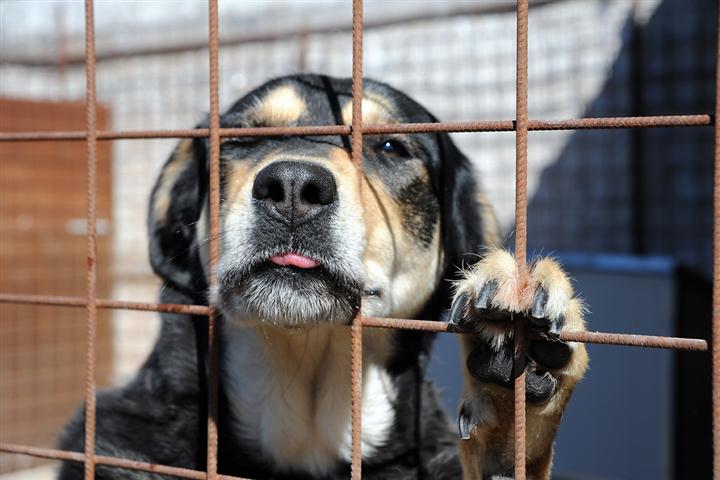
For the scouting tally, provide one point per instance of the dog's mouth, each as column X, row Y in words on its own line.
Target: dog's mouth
column 290, row 288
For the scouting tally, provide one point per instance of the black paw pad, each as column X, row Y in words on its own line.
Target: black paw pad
column 539, row 387
column 551, row 355
column 488, row 365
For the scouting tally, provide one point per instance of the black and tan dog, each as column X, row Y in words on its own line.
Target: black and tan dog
column 304, row 238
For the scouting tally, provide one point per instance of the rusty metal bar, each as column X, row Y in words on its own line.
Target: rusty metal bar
column 69, row 456
column 600, row 123
column 356, row 370
column 372, row 322
column 716, row 274
column 521, row 147
column 91, row 292
column 214, row 200
column 632, row 340
column 64, row 301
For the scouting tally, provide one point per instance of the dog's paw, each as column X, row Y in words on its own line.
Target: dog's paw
column 493, row 297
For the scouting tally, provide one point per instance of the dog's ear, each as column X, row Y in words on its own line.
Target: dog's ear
column 462, row 219
column 175, row 207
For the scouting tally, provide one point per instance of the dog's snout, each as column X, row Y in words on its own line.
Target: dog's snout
column 295, row 190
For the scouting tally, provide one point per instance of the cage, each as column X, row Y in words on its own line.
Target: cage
column 635, row 203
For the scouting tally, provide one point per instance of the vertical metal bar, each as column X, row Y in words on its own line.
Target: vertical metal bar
column 357, row 157
column 716, row 272
column 521, row 136
column 214, row 189
column 91, row 292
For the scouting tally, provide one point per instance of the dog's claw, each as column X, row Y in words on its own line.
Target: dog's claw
column 486, row 293
column 457, row 309
column 464, row 422
column 537, row 315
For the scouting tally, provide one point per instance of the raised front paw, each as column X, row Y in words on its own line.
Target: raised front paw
column 493, row 298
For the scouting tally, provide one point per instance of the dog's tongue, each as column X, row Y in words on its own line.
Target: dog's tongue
column 295, row 260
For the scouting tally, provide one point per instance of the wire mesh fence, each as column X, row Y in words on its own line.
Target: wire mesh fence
column 303, row 53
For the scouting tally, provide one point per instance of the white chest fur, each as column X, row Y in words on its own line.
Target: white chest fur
column 290, row 394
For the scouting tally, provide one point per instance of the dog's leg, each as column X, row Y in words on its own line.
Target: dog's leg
column 489, row 301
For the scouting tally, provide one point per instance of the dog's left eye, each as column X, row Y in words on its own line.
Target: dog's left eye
column 239, row 142
column 392, row 148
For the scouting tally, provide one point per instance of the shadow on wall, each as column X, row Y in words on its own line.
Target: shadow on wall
column 648, row 192
column 641, row 191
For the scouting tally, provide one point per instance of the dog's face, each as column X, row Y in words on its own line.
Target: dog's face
column 304, row 236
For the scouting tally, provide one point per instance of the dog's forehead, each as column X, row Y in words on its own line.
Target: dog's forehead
column 317, row 100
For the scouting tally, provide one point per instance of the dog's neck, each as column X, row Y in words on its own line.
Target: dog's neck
column 289, row 392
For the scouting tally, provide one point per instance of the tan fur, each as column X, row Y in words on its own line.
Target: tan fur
column 496, row 433
column 281, row 107
column 375, row 111
column 179, row 160
column 491, row 227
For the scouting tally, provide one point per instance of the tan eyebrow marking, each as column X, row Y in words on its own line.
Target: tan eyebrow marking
column 281, row 107
column 373, row 112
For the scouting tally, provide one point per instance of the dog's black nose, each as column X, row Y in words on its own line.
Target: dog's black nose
column 295, row 190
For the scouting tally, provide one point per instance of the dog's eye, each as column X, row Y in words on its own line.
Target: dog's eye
column 392, row 148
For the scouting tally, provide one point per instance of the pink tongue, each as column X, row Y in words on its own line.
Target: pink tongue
column 295, row 260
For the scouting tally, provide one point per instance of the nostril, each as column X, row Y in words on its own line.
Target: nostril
column 275, row 191
column 269, row 186
column 319, row 190
column 311, row 194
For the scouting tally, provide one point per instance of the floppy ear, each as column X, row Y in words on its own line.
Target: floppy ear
column 462, row 220
column 175, row 206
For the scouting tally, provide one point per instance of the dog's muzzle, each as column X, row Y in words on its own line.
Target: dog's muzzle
column 293, row 268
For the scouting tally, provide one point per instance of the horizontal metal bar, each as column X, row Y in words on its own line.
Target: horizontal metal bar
column 64, row 455
column 314, row 130
column 651, row 341
column 377, row 322
column 65, row 301
column 632, row 340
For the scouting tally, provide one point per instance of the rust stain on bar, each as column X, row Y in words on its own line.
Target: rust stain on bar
column 91, row 292
column 632, row 340
column 373, row 322
column 356, row 370
column 318, row 130
column 63, row 301
column 311, row 130
column 521, row 138
column 65, row 455
column 214, row 192
column 716, row 275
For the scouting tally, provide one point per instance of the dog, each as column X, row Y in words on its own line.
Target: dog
column 307, row 243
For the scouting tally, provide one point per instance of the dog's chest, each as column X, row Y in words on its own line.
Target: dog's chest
column 290, row 396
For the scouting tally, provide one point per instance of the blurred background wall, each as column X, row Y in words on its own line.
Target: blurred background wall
column 611, row 202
